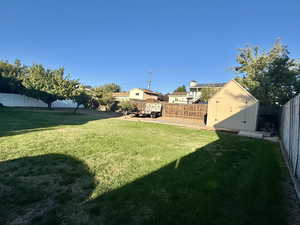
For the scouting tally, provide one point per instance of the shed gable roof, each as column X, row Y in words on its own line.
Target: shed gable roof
column 238, row 85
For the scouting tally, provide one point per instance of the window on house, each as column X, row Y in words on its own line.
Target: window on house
column 137, row 94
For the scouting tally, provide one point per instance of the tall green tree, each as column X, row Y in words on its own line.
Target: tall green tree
column 48, row 85
column 81, row 97
column 271, row 76
column 180, row 89
column 110, row 88
column 11, row 76
column 102, row 95
column 207, row 93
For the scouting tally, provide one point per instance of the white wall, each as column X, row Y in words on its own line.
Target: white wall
column 65, row 104
column 136, row 93
column 16, row 100
column 178, row 99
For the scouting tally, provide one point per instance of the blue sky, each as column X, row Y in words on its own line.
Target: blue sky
column 120, row 41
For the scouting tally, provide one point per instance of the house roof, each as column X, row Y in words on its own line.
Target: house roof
column 145, row 100
column 164, row 98
column 178, row 94
column 149, row 91
column 121, row 94
column 209, row 85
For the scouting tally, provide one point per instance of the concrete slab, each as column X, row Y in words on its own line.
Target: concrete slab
column 251, row 134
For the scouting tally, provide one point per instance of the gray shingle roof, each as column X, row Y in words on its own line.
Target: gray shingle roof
column 209, row 85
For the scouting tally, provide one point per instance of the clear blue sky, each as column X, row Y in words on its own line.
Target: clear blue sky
column 120, row 41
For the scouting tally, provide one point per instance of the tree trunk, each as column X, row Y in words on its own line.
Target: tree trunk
column 75, row 110
column 49, row 105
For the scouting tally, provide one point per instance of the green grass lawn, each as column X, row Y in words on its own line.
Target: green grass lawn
column 60, row 168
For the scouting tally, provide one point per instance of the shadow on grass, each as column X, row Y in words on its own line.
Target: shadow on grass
column 234, row 181
column 35, row 190
column 15, row 121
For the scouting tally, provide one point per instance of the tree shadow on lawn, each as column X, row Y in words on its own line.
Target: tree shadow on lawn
column 15, row 121
column 35, row 190
column 234, row 181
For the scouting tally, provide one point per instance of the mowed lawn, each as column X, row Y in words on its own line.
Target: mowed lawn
column 61, row 168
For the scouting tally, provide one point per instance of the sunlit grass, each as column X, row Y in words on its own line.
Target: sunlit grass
column 62, row 168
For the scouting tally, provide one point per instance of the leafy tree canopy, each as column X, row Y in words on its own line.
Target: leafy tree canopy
column 207, row 93
column 81, row 97
column 103, row 95
column 271, row 76
column 49, row 85
column 10, row 76
column 180, row 89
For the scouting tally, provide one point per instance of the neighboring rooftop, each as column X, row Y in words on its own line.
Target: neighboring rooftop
column 194, row 84
column 121, row 94
column 126, row 93
column 178, row 94
column 149, row 91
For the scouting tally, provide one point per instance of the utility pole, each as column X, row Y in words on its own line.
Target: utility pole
column 149, row 82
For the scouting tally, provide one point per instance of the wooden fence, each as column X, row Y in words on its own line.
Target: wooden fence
column 185, row 111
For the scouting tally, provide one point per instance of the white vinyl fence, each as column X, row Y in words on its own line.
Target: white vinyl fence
column 290, row 135
column 16, row 100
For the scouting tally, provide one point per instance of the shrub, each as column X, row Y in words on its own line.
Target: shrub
column 1, row 105
column 127, row 107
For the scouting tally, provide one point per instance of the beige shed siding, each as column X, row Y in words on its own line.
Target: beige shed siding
column 233, row 107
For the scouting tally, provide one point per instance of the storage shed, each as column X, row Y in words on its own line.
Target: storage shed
column 233, row 108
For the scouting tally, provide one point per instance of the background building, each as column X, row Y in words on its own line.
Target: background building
column 178, row 98
column 137, row 94
column 196, row 90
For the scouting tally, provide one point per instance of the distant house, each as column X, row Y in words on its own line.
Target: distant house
column 121, row 96
column 195, row 93
column 137, row 94
column 143, row 94
column 178, row 98
column 196, row 90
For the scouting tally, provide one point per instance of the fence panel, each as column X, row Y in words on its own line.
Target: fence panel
column 185, row 111
column 295, row 133
column 17, row 100
column 290, row 134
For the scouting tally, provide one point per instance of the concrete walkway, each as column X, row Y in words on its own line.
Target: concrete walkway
column 196, row 124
